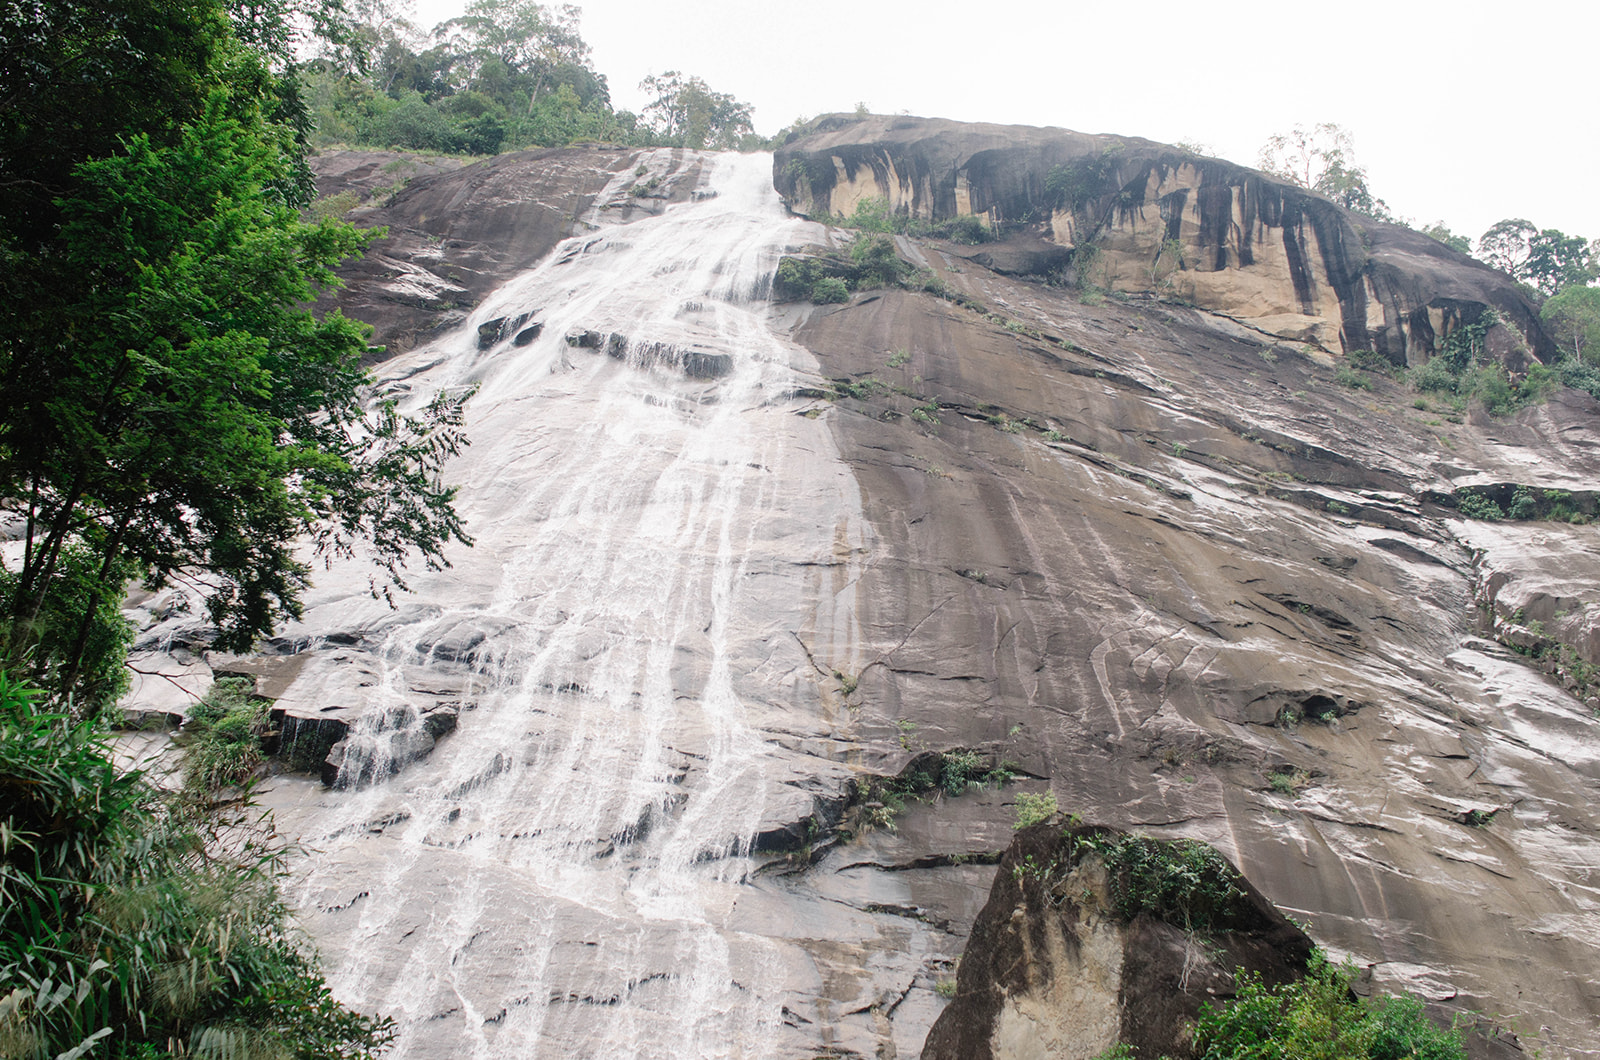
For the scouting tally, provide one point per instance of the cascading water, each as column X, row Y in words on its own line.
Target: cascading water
column 656, row 531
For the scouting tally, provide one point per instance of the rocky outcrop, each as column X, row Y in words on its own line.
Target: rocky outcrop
column 1228, row 239
column 456, row 232
column 1059, row 966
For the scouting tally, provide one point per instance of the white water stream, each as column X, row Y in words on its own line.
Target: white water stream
column 562, row 877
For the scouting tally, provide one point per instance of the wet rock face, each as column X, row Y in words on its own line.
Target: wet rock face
column 457, row 232
column 1281, row 258
column 1133, row 554
column 1180, row 571
column 1054, row 968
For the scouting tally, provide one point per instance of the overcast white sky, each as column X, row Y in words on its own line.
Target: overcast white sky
column 1465, row 112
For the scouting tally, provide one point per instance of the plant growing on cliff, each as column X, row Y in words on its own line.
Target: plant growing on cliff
column 1076, row 186
column 1183, row 882
column 1317, row 1017
column 224, row 733
column 1474, row 505
column 139, row 924
column 876, row 263
column 1167, row 263
column 1031, row 809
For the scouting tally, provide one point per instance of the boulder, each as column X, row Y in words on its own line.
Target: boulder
column 1057, row 967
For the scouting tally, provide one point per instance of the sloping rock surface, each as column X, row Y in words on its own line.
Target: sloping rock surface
column 1179, row 570
column 1139, row 555
column 458, row 231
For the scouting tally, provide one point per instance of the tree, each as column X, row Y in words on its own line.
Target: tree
column 168, row 407
column 1572, row 317
column 1547, row 259
column 1322, row 159
column 686, row 112
column 1557, row 260
column 532, row 43
column 1505, row 245
column 1441, row 232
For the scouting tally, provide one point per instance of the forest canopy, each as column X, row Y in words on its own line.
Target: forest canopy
column 508, row 74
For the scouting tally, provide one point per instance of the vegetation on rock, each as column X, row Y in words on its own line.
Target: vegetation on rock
column 1318, row 1018
column 872, row 262
column 143, row 925
column 1185, row 883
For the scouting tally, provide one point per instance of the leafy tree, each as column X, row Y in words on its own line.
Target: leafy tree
column 1547, row 259
column 1441, row 232
column 686, row 112
column 168, row 407
column 1505, row 245
column 1573, row 319
column 1322, row 159
column 1557, row 260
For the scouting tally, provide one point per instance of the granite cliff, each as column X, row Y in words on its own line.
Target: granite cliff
column 1275, row 256
column 906, row 558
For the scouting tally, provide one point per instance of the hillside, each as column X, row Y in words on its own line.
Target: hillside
column 755, row 577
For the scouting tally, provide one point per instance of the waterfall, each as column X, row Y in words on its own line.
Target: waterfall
column 656, row 534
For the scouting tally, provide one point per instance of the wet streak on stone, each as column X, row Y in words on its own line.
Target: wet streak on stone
column 1299, row 273
column 1216, row 220
column 1422, row 336
column 1172, row 207
column 1345, row 266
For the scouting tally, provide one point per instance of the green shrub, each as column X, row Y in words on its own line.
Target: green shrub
column 225, row 730
column 1344, row 376
column 874, row 215
column 1368, row 361
column 1436, row 377
column 829, row 289
column 1183, row 882
column 1495, row 391
column 1473, row 505
column 967, row 230
column 144, row 920
column 961, row 768
column 1318, row 1018
column 876, row 263
column 1031, row 809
